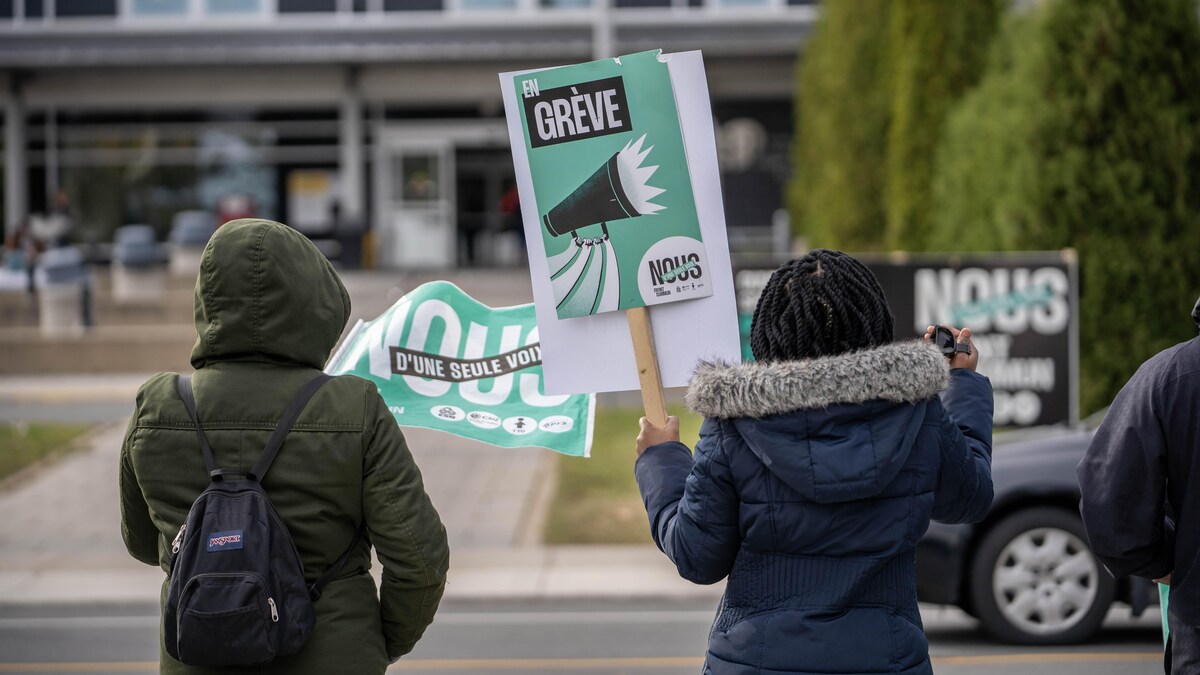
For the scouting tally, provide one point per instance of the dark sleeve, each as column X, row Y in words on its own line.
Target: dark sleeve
column 1122, row 479
column 964, row 484
column 692, row 505
column 137, row 529
column 406, row 531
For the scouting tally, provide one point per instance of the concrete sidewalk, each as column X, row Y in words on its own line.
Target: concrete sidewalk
column 60, row 540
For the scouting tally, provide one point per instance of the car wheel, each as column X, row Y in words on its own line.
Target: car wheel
column 1035, row 581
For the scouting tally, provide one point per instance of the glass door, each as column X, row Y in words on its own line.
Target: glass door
column 418, row 229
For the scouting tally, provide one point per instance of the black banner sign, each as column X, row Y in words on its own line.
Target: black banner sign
column 1021, row 308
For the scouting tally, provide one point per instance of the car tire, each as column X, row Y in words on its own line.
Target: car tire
column 1035, row 581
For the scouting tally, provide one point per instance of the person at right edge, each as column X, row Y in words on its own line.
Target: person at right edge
column 818, row 468
column 1140, row 486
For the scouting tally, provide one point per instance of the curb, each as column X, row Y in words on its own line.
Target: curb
column 519, row 573
column 71, row 389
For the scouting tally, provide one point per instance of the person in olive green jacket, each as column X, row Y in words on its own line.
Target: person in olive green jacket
column 269, row 309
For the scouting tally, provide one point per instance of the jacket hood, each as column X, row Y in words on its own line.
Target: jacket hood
column 834, row 428
column 266, row 293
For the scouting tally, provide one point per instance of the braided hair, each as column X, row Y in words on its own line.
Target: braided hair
column 821, row 304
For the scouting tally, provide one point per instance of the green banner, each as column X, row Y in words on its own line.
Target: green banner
column 610, row 176
column 443, row 360
column 1164, row 594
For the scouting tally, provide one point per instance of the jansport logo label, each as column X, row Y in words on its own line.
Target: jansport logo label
column 225, row 541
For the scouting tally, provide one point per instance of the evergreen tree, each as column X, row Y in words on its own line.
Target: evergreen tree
column 835, row 195
column 1086, row 133
column 938, row 51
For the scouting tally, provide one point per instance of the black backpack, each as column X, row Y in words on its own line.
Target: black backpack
column 237, row 594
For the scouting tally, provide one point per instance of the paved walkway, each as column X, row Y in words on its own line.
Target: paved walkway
column 488, row 497
column 60, row 538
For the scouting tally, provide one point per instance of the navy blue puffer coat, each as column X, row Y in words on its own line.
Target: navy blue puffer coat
column 811, row 484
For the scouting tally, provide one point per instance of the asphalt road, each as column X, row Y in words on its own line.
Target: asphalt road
column 579, row 638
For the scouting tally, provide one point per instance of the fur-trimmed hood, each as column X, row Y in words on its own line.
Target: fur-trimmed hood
column 835, row 428
column 901, row 372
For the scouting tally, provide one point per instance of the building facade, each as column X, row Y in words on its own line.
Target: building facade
column 351, row 120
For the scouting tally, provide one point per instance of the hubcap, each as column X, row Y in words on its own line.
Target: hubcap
column 1045, row 581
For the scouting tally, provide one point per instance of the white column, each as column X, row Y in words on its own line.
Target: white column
column 603, row 31
column 350, row 163
column 16, row 188
column 52, row 176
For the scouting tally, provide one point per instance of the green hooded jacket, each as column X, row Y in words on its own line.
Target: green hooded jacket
column 269, row 309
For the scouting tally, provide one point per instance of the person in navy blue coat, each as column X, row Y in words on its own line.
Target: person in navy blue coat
column 1140, row 482
column 819, row 467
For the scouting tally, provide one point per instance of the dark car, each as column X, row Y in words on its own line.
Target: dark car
column 1026, row 571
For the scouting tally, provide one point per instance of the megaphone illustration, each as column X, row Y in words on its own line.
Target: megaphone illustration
column 617, row 190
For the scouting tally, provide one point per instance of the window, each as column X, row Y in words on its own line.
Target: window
column 416, row 178
column 488, row 4
column 10, row 8
column 300, row 6
column 158, row 7
column 222, row 7
column 79, row 8
column 412, row 5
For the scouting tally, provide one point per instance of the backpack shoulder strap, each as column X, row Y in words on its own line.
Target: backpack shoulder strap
column 285, row 425
column 184, row 384
column 318, row 587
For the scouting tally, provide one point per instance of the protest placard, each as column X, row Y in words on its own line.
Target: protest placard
column 611, row 185
column 443, row 360
column 676, row 252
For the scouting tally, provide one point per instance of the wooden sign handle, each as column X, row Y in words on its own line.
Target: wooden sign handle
column 647, row 365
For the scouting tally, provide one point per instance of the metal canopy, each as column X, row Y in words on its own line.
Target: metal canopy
column 391, row 38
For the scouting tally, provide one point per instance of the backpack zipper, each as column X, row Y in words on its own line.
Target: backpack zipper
column 193, row 583
column 178, row 539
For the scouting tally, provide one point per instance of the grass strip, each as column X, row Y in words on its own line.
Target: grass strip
column 597, row 500
column 24, row 444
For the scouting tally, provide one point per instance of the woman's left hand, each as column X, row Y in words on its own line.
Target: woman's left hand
column 653, row 435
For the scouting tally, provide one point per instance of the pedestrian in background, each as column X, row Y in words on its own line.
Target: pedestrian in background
column 1140, row 481
column 818, row 468
column 55, row 228
column 21, row 251
column 269, row 309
